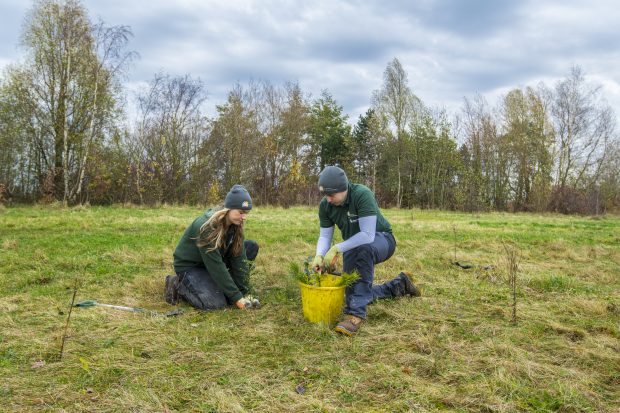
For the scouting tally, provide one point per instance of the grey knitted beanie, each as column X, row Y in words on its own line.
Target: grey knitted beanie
column 238, row 198
column 332, row 180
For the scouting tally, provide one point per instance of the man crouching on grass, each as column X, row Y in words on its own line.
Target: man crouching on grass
column 368, row 240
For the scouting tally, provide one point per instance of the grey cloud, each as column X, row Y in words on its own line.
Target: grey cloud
column 466, row 18
column 473, row 18
column 450, row 48
column 10, row 28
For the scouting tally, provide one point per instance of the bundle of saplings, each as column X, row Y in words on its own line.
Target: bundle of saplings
column 329, row 278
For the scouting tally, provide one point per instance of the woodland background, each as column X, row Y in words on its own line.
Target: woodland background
column 68, row 136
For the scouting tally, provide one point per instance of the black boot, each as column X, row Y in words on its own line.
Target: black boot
column 402, row 285
column 171, row 292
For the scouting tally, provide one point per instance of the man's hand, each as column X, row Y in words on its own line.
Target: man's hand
column 317, row 263
column 331, row 257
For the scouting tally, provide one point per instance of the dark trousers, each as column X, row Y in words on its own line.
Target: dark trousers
column 199, row 289
column 363, row 260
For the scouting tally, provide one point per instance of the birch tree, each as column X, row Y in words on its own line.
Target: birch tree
column 584, row 126
column 65, row 90
column 397, row 104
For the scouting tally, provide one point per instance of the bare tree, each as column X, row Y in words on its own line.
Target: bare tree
column 293, row 135
column 282, row 119
column 584, row 127
column 235, row 137
column 608, row 190
column 170, row 130
column 485, row 182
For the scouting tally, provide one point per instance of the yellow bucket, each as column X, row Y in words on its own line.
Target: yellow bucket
column 322, row 305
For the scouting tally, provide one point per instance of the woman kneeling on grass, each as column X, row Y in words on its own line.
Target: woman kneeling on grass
column 211, row 259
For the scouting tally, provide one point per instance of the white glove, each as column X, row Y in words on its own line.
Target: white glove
column 254, row 303
column 248, row 302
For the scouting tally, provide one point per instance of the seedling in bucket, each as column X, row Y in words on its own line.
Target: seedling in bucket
column 322, row 295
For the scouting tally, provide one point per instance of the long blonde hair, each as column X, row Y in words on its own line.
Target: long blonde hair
column 213, row 233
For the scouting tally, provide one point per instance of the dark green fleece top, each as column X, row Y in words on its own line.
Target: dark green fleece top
column 359, row 203
column 229, row 272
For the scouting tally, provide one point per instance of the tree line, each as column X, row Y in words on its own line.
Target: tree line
column 65, row 136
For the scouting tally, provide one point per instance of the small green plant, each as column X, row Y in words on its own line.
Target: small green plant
column 310, row 277
column 297, row 273
column 349, row 278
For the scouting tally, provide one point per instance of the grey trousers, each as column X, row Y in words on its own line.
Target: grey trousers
column 197, row 287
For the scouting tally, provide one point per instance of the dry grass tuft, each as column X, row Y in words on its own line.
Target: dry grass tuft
column 9, row 244
column 573, row 334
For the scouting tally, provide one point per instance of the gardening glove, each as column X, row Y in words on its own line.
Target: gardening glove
column 254, row 303
column 243, row 303
column 247, row 302
column 331, row 258
column 317, row 263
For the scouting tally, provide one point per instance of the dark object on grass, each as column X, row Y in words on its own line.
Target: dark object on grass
column 463, row 265
column 171, row 290
column 174, row 313
column 467, row 266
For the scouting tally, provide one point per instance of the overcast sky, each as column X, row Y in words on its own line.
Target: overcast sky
column 450, row 48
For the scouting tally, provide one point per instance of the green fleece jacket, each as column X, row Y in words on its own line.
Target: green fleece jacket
column 229, row 272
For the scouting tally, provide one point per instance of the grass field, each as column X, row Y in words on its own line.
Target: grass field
column 454, row 349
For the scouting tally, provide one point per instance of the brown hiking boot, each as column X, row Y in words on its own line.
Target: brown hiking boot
column 405, row 286
column 349, row 325
column 171, row 291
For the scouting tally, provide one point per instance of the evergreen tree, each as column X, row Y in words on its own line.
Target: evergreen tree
column 366, row 139
column 329, row 134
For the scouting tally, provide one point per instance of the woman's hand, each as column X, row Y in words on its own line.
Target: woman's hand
column 248, row 302
column 243, row 303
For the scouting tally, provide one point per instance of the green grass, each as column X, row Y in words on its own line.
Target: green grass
column 454, row 349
